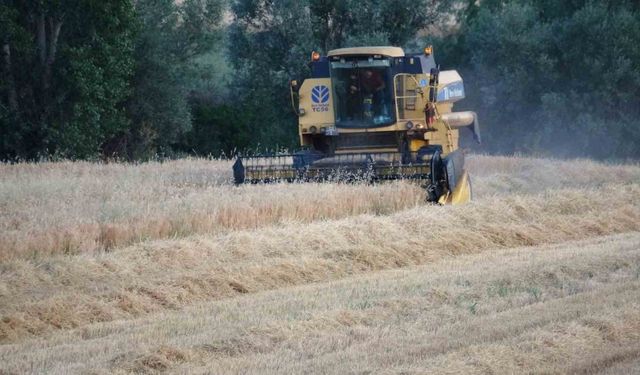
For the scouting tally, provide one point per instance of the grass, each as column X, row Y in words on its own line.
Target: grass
column 168, row 267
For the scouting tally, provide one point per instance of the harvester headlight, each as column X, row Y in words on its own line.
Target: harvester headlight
column 313, row 130
column 409, row 125
column 420, row 126
column 301, row 111
column 428, row 50
column 315, row 56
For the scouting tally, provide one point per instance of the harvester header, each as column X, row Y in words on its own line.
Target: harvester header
column 379, row 114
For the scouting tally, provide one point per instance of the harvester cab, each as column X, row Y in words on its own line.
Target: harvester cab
column 374, row 113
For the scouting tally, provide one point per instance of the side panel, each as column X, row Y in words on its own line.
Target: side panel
column 316, row 99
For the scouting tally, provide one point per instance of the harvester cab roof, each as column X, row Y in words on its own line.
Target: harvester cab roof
column 375, row 113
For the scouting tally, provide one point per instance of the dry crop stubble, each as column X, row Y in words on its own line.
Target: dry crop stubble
column 180, row 242
column 584, row 316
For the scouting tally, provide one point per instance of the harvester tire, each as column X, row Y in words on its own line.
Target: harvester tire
column 434, row 188
column 454, row 167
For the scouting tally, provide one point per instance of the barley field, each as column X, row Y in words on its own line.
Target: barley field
column 170, row 268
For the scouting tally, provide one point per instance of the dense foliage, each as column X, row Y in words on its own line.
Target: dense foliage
column 169, row 38
column 558, row 77
column 66, row 70
column 133, row 79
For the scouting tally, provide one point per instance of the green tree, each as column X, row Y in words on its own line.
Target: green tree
column 66, row 66
column 557, row 78
column 269, row 43
column 218, row 130
column 171, row 36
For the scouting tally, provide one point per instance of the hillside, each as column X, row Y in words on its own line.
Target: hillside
column 168, row 267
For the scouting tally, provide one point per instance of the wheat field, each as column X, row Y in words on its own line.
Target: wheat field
column 169, row 268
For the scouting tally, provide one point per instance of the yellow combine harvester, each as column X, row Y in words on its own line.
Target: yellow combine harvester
column 375, row 113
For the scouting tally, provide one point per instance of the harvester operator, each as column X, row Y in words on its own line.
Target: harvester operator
column 353, row 97
column 373, row 84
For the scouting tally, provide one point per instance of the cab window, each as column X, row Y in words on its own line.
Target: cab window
column 363, row 89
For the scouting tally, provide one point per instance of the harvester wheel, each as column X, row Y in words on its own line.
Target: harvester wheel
column 434, row 188
column 454, row 167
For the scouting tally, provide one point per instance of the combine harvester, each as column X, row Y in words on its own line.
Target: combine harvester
column 374, row 113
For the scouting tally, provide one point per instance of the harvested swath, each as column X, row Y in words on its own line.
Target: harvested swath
column 550, row 309
column 69, row 292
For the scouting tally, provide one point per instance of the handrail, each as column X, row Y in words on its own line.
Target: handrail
column 395, row 91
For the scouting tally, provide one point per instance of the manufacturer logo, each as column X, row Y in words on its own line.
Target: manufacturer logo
column 320, row 94
column 320, row 99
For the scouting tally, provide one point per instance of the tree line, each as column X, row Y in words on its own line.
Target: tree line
column 135, row 79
